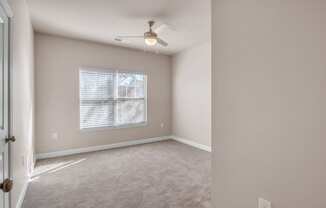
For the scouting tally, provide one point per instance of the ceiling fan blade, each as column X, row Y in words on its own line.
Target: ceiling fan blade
column 160, row 28
column 163, row 27
column 162, row 42
column 129, row 36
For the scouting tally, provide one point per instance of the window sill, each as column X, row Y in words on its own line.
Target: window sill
column 94, row 129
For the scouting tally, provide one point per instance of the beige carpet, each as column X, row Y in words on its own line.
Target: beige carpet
column 159, row 175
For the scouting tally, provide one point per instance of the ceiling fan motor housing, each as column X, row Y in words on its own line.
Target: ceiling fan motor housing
column 150, row 35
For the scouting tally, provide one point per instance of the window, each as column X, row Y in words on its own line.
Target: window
column 112, row 99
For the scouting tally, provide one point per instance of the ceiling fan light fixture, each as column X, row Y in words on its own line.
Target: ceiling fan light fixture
column 151, row 41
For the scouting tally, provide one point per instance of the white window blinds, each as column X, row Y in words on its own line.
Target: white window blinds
column 112, row 99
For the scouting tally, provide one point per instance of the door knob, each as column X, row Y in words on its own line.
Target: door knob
column 6, row 185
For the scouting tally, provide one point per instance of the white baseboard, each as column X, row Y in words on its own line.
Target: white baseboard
column 191, row 143
column 22, row 196
column 98, row 148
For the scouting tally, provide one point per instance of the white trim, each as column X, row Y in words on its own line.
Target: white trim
column 106, row 128
column 192, row 143
column 22, row 195
column 98, row 148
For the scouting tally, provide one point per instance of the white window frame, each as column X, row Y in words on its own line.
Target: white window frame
column 97, row 69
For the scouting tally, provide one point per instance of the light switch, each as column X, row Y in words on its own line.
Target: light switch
column 262, row 203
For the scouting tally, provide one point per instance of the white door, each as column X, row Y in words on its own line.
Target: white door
column 5, row 182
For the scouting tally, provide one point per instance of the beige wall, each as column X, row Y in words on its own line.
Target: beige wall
column 22, row 97
column 192, row 94
column 57, row 105
column 269, row 81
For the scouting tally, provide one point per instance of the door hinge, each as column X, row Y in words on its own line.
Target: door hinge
column 10, row 139
column 7, row 185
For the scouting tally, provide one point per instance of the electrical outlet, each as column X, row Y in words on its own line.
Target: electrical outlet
column 55, row 136
column 162, row 125
column 262, row 203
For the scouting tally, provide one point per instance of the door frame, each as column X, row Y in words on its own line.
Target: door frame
column 8, row 12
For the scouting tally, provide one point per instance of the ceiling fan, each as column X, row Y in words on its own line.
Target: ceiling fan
column 151, row 37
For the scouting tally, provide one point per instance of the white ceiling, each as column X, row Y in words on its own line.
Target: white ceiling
column 103, row 20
